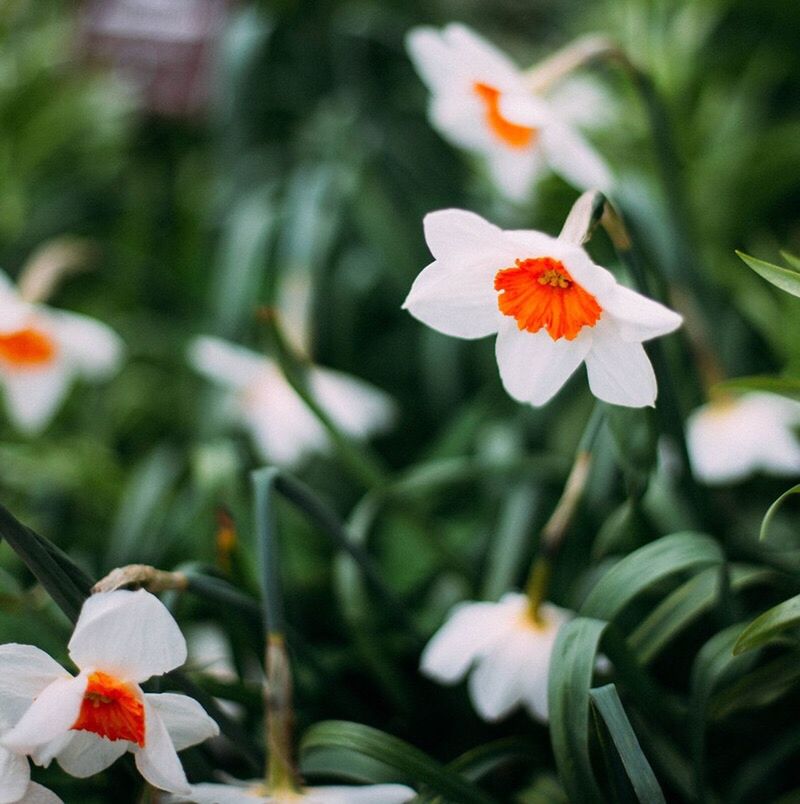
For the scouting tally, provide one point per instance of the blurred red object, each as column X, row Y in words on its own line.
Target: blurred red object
column 163, row 48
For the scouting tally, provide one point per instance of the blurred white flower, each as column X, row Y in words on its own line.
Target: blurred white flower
column 732, row 437
column 505, row 651
column 282, row 427
column 253, row 793
column 88, row 721
column 16, row 786
column 42, row 351
column 480, row 102
column 551, row 307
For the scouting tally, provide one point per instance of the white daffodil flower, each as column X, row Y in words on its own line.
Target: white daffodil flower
column 480, row 102
column 16, row 786
column 88, row 721
column 505, row 651
column 42, row 351
column 253, row 792
column 283, row 428
column 551, row 307
column 733, row 437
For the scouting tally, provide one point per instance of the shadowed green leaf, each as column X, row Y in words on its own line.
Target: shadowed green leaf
column 772, row 510
column 763, row 629
column 787, row 279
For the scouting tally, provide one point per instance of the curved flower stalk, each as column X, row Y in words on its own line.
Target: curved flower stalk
column 16, row 786
column 43, row 351
column 282, row 427
column 482, row 102
column 88, row 721
column 503, row 648
column 551, row 307
column 254, row 792
column 730, row 438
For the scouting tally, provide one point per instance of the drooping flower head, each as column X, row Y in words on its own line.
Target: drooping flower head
column 88, row 721
column 551, row 307
column 733, row 437
column 282, row 426
column 503, row 648
column 42, row 351
column 480, row 102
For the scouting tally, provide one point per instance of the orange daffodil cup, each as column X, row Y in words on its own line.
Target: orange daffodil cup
column 482, row 102
column 42, row 351
column 88, row 721
column 549, row 305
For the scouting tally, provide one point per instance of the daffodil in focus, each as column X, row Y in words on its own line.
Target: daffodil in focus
column 253, row 792
column 551, row 307
column 505, row 650
column 733, row 437
column 43, row 351
column 16, row 786
column 282, row 427
column 481, row 101
column 88, row 721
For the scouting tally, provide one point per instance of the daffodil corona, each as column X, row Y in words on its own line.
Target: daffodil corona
column 481, row 102
column 551, row 307
column 88, row 721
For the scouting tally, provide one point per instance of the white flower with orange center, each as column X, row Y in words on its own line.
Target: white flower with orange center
column 480, row 101
column 733, row 437
column 505, row 650
column 88, row 721
column 254, row 792
column 282, row 426
column 551, row 307
column 42, row 351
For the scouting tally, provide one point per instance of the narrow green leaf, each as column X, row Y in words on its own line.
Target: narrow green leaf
column 766, row 627
column 773, row 509
column 644, row 782
column 409, row 762
column 794, row 262
column 787, row 279
column 571, row 670
column 647, row 566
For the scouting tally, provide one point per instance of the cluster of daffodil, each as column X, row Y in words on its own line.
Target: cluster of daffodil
column 551, row 309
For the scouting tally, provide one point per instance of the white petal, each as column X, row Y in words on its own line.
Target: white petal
column 525, row 109
column 36, row 794
column 224, row 362
column 460, row 118
column 356, row 407
column 86, row 754
column 482, row 59
column 533, row 366
column 15, row 774
column 574, row 159
column 50, row 716
column 432, row 57
column 34, row 395
column 185, row 720
column 217, row 794
column 366, row 794
column 515, row 171
column 26, row 671
column 92, row 347
column 157, row 761
column 459, row 303
column 459, row 235
column 130, row 635
column 468, row 632
column 638, row 318
column 539, row 658
column 583, row 102
column 620, row 371
column 497, row 682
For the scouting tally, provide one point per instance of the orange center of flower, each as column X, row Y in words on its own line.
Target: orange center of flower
column 111, row 708
column 28, row 347
column 510, row 133
column 540, row 293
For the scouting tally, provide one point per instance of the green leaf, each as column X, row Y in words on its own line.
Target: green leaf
column 794, row 262
column 787, row 279
column 607, row 703
column 647, row 566
column 409, row 763
column 772, row 510
column 772, row 622
column 571, row 670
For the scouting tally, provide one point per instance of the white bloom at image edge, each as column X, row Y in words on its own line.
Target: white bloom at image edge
column 550, row 306
column 42, row 351
column 88, row 721
column 283, row 428
column 16, row 786
column 253, row 793
column 506, row 654
column 480, row 102
column 733, row 437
